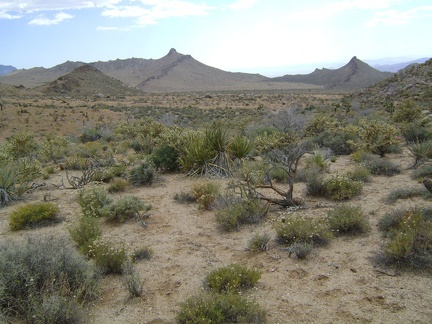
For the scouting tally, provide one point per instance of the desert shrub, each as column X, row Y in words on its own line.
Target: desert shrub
column 32, row 214
column 165, row 157
column 205, row 193
column 249, row 211
column 92, row 201
column 423, row 171
column 339, row 140
column 232, row 279
column 53, row 147
column 21, row 144
column 219, row 309
column 126, row 208
column 345, row 219
column 359, row 173
column 184, row 197
column 85, row 233
column 142, row 253
column 409, row 233
column 131, row 280
column 45, row 280
column 361, row 156
column 118, row 185
column 259, row 242
column 406, row 193
column 142, row 175
column 109, row 256
column 317, row 161
column 421, row 152
column 301, row 250
column 95, row 133
column 295, row 229
column 195, row 154
column 416, row 132
column 341, row 187
column 380, row 166
column 315, row 184
column 319, row 124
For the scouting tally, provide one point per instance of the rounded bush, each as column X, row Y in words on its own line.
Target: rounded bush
column 31, row 214
column 345, row 219
column 142, row 175
column 232, row 278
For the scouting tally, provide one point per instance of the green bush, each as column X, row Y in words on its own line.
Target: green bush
column 126, row 208
column 205, row 193
column 345, row 219
column 165, row 157
column 142, row 175
column 232, row 279
column 108, row 256
column 416, row 132
column 422, row 172
column 45, row 280
column 341, row 187
column 92, row 201
column 295, row 229
column 380, row 166
column 315, row 184
column 259, row 242
column 220, row 309
column 239, row 147
column 85, row 233
column 248, row 211
column 360, row 174
column 118, row 185
column 410, row 235
column 32, row 214
column 301, row 249
column 421, row 152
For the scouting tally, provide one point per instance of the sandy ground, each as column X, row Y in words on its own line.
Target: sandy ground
column 337, row 284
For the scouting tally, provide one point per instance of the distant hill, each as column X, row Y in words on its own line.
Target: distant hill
column 5, row 69
column 414, row 83
column 86, row 80
column 398, row 66
column 354, row 75
column 178, row 72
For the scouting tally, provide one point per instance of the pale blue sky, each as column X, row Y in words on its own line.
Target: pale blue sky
column 272, row 37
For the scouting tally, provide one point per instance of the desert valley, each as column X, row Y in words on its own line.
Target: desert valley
column 169, row 191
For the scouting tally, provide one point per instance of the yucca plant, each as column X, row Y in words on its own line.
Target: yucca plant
column 7, row 185
column 239, row 147
column 421, row 152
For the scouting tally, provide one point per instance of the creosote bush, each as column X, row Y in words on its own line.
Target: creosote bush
column 142, row 175
column 232, row 279
column 345, row 219
column 142, row 253
column 45, row 280
column 118, row 185
column 92, row 201
column 125, row 208
column 220, row 309
column 247, row 211
column 341, row 187
column 32, row 214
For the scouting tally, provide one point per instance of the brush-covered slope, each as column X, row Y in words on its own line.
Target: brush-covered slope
column 414, row 83
column 86, row 80
column 354, row 75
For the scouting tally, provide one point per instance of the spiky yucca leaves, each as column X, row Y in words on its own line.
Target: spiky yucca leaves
column 239, row 147
column 421, row 152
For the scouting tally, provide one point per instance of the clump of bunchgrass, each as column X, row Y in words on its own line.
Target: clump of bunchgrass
column 132, row 280
column 406, row 193
column 359, row 173
column 345, row 219
column 259, row 242
column 32, row 214
column 118, row 185
column 232, row 278
column 142, row 253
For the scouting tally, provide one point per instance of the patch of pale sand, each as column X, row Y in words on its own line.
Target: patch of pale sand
column 338, row 284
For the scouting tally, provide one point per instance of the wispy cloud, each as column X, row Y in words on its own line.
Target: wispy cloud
column 150, row 12
column 242, row 4
column 399, row 17
column 28, row 6
column 58, row 18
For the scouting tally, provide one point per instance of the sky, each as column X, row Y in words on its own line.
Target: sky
column 271, row 37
